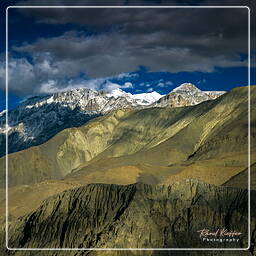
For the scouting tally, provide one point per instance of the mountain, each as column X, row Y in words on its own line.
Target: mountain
column 186, row 94
column 147, row 98
column 138, row 99
column 132, row 216
column 39, row 118
column 152, row 145
column 146, row 177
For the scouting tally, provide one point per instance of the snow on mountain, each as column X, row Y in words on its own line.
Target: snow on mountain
column 39, row 118
column 118, row 93
column 186, row 94
column 139, row 99
column 214, row 94
column 147, row 98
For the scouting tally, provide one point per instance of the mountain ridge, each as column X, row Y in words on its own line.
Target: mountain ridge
column 160, row 137
column 39, row 118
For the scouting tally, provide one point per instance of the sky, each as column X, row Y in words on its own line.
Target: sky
column 135, row 49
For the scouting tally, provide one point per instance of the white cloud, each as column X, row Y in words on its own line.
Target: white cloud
column 44, row 76
column 49, row 87
column 126, row 75
column 21, row 76
column 164, row 84
column 109, row 86
column 150, row 89
column 113, row 53
column 2, row 75
column 127, row 85
column 161, row 84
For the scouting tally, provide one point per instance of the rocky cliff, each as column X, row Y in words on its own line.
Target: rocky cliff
column 133, row 216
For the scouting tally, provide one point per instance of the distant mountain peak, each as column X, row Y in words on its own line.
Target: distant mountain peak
column 186, row 87
column 118, row 93
column 147, row 98
column 187, row 94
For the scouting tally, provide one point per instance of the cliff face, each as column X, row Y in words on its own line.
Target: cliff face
column 132, row 216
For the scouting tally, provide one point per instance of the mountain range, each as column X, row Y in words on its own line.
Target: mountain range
column 39, row 118
column 181, row 142
column 147, row 175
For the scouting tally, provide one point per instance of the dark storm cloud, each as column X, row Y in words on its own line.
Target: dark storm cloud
column 163, row 39
column 170, row 40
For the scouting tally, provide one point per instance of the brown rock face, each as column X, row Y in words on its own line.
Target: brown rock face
column 133, row 216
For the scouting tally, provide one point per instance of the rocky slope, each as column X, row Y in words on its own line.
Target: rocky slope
column 133, row 216
column 154, row 145
column 186, row 94
column 39, row 118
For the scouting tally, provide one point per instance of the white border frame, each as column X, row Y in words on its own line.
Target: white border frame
column 249, row 132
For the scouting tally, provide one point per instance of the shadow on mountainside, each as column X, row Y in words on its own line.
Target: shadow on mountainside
column 45, row 122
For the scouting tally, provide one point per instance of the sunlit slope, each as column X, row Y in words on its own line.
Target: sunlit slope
column 151, row 143
column 230, row 132
column 213, row 147
column 122, row 132
column 116, row 170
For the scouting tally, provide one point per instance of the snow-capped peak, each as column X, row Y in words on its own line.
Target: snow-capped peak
column 140, row 99
column 147, row 98
column 187, row 94
column 118, row 93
